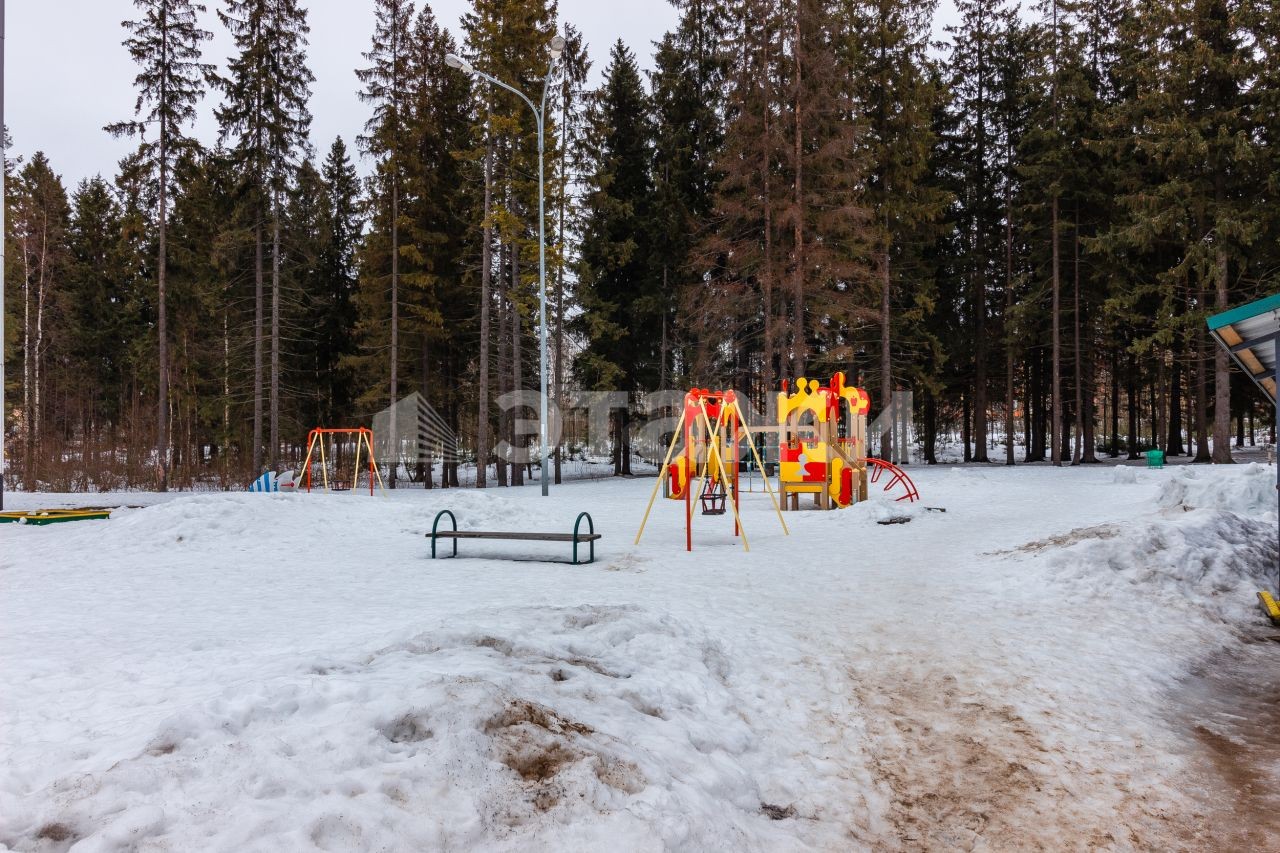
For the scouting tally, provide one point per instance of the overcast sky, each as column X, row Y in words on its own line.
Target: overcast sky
column 67, row 74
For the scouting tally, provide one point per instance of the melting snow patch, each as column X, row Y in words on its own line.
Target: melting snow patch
column 584, row 728
column 1250, row 491
column 1212, row 561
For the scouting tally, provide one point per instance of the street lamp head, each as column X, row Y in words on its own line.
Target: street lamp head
column 557, row 47
column 454, row 61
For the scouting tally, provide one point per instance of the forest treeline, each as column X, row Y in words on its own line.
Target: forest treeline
column 1025, row 223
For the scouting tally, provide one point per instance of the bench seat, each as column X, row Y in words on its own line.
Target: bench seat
column 576, row 537
column 499, row 534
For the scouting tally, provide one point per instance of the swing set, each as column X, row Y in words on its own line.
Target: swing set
column 713, row 431
column 317, row 443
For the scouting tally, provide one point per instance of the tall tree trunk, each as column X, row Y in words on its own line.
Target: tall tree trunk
column 1008, row 315
column 226, row 392
column 394, row 427
column 162, row 322
column 766, row 281
column 1077, row 365
column 799, row 352
column 980, row 365
column 1133, row 401
column 1222, row 374
column 258, row 299
column 37, row 399
column 930, row 429
column 1114, row 444
column 28, row 364
column 504, row 354
column 558, row 377
column 1202, row 389
column 1036, row 408
column 886, row 362
column 1089, row 377
column 275, row 335
column 1173, row 442
column 424, row 453
column 624, row 435
column 664, row 346
column 1029, row 408
column 1056, row 419
column 1161, row 405
column 517, row 369
column 615, row 452
column 486, row 265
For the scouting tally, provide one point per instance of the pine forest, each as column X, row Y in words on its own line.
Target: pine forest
column 1023, row 219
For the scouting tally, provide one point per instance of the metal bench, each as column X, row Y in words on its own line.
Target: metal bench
column 575, row 537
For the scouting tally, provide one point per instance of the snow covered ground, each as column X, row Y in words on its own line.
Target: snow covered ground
column 1062, row 660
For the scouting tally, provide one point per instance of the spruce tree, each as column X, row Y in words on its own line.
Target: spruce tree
column 620, row 298
column 334, row 316
column 386, row 82
column 99, row 333
column 508, row 39
column 39, row 224
column 1197, row 206
column 823, row 211
column 204, row 266
column 575, row 65
column 978, row 213
column 165, row 42
column 441, row 311
column 737, row 268
column 265, row 113
column 689, row 86
column 896, row 97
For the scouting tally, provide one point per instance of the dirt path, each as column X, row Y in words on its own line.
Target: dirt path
column 1231, row 704
column 965, row 771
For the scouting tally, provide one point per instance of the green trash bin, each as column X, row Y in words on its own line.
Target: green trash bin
column 1155, row 458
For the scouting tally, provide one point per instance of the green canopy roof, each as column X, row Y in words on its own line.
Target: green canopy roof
column 1249, row 333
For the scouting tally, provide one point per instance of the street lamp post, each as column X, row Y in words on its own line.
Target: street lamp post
column 539, row 112
column 3, row 155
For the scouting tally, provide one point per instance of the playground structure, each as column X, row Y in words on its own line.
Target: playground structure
column 713, row 431
column 822, row 440
column 317, row 442
column 813, row 456
column 822, row 447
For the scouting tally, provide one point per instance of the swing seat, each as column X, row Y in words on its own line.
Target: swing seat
column 713, row 499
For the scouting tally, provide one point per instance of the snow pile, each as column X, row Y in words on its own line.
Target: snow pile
column 1250, row 491
column 563, row 728
column 886, row 511
column 1125, row 475
column 1214, row 562
column 1209, row 550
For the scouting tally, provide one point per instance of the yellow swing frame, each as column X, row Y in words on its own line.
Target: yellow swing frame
column 730, row 412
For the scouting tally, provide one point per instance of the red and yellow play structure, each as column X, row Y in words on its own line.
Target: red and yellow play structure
column 822, row 451
column 822, row 443
column 714, row 433
column 822, row 447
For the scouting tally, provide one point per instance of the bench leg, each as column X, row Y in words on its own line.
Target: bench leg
column 435, row 526
column 591, row 529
